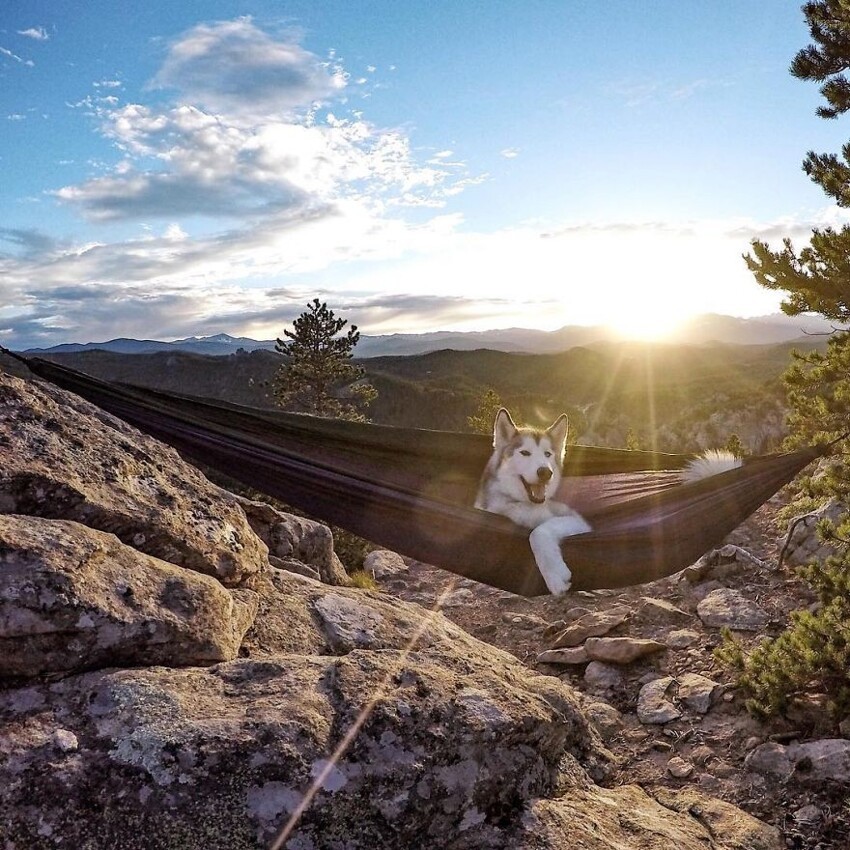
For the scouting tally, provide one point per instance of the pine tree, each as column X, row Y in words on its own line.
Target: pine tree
column 319, row 377
column 813, row 654
column 488, row 404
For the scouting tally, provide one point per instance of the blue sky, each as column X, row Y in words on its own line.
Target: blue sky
column 191, row 168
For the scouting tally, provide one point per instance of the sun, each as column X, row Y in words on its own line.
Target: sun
column 645, row 322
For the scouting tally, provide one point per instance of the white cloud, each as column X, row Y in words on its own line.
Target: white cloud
column 14, row 56
column 235, row 68
column 509, row 153
column 37, row 33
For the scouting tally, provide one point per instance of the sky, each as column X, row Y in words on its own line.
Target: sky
column 193, row 168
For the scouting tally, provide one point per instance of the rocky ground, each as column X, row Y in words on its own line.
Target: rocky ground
column 182, row 667
column 671, row 716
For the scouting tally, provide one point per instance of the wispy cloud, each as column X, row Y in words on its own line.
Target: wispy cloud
column 14, row 57
column 37, row 33
column 509, row 153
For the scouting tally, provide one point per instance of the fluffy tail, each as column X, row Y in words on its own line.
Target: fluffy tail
column 710, row 463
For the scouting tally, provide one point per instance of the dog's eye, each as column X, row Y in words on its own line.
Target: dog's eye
column 525, row 453
column 548, row 454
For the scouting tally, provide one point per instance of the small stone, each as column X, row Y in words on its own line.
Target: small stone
column 621, row 650
column 607, row 720
column 678, row 768
column 567, row 655
column 844, row 727
column 723, row 770
column 810, row 815
column 524, row 621
column 602, row 677
column 696, row 692
column 382, row 564
column 458, row 598
column 592, row 624
column 752, row 742
column 729, row 608
column 681, row 638
column 660, row 611
column 65, row 740
column 770, row 759
column 653, row 707
column 702, row 755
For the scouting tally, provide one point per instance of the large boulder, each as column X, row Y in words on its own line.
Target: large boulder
column 63, row 458
column 72, row 598
column 802, row 544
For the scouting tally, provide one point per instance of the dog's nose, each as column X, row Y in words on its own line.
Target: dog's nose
column 543, row 473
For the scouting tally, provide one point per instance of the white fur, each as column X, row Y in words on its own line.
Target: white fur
column 525, row 454
column 711, row 462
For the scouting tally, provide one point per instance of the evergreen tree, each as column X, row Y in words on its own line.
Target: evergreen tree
column 813, row 654
column 319, row 377
column 481, row 422
column 734, row 445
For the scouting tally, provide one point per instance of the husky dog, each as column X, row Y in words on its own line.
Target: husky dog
column 519, row 482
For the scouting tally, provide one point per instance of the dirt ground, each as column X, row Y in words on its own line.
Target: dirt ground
column 707, row 750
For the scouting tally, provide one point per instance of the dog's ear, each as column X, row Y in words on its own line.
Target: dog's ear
column 557, row 432
column 504, row 429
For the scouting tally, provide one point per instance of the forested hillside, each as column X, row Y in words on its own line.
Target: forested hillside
column 677, row 397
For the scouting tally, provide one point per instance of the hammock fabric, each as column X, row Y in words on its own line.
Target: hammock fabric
column 411, row 490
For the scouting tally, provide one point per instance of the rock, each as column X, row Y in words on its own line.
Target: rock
column 606, row 719
column 702, row 755
column 659, row 612
column 626, row 818
column 726, row 826
column 72, row 598
column 460, row 598
column 602, row 677
column 844, row 727
column 678, row 768
column 802, row 544
column 770, row 759
column 290, row 565
column 524, row 621
column 592, row 624
column 567, row 655
column 295, row 537
column 621, row 650
column 696, row 692
column 826, row 759
column 63, row 458
column 729, row 608
column 653, row 707
column 382, row 564
column 720, row 564
column 351, row 718
column 809, row 815
column 681, row 638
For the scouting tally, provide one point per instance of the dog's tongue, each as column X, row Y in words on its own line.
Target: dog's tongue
column 537, row 492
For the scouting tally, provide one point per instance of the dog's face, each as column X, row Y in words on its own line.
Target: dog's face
column 529, row 459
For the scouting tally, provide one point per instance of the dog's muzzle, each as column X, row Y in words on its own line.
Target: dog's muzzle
column 537, row 490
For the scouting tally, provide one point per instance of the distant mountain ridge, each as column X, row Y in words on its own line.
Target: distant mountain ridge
column 702, row 329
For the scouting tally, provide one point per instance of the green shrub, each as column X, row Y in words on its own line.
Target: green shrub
column 812, row 656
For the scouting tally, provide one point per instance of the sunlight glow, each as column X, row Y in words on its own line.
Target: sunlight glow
column 645, row 324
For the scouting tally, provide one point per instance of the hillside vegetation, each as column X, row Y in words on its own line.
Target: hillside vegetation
column 676, row 397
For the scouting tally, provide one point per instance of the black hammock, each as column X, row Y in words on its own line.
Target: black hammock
column 411, row 490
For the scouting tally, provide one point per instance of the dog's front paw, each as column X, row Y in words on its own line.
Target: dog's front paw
column 559, row 584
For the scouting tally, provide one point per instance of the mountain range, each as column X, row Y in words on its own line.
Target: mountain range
column 702, row 329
